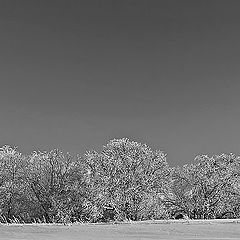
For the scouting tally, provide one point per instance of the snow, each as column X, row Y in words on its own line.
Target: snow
column 181, row 230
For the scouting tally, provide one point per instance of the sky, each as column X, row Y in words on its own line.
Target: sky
column 76, row 74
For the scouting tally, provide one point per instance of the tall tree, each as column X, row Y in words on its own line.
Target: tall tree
column 125, row 177
column 55, row 179
column 208, row 188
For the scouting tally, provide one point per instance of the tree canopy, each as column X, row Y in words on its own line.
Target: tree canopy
column 125, row 180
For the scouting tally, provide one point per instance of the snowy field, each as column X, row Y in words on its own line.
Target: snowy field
column 181, row 230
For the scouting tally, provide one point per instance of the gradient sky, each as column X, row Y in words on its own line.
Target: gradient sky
column 77, row 73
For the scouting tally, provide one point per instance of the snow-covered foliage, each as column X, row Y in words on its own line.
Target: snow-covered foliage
column 126, row 180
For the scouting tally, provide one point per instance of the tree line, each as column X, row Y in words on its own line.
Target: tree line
column 126, row 180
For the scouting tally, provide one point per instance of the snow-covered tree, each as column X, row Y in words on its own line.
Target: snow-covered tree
column 125, row 176
column 208, row 188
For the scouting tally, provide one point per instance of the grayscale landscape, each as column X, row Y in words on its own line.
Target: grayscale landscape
column 119, row 119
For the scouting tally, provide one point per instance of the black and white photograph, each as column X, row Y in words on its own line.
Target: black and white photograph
column 119, row 119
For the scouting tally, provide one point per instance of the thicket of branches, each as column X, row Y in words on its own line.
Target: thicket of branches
column 126, row 180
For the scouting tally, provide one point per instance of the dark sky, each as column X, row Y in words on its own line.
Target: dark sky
column 77, row 73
